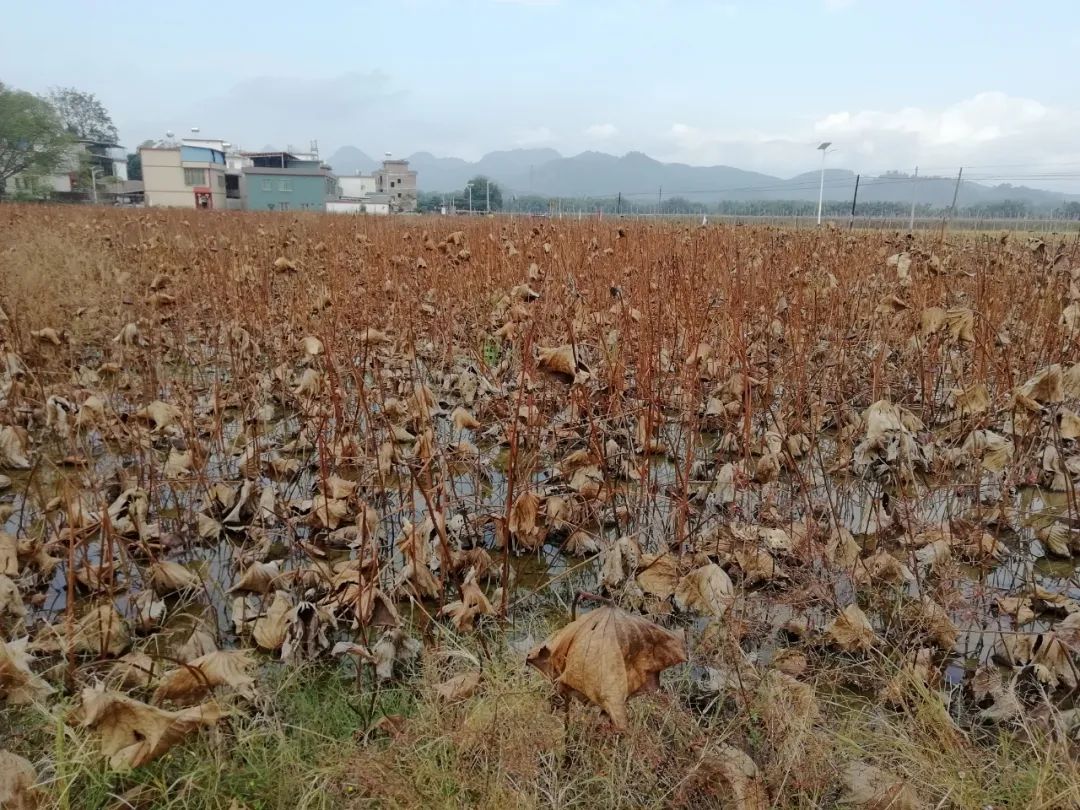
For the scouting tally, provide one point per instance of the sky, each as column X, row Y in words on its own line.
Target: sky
column 985, row 84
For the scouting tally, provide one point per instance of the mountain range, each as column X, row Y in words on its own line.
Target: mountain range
column 641, row 178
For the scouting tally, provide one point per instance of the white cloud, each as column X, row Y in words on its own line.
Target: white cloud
column 983, row 118
column 1007, row 138
column 601, row 132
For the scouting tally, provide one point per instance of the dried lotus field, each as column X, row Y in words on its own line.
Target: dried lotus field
column 315, row 512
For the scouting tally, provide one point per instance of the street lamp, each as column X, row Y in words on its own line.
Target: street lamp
column 93, row 181
column 824, row 148
column 468, row 188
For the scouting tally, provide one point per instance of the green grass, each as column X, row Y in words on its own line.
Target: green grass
column 287, row 754
column 308, row 744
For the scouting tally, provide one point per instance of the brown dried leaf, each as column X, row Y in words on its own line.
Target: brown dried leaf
column 134, row 733
column 17, row 779
column 197, row 678
column 18, row 684
column 269, row 630
column 658, row 574
column 460, row 687
column 851, row 631
column 873, row 788
column 707, row 590
column 608, row 656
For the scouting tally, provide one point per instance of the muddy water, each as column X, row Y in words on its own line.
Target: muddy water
column 482, row 489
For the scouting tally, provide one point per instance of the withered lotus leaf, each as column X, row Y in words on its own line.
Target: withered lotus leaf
column 133, row 733
column 608, row 656
column 17, row 778
column 195, row 679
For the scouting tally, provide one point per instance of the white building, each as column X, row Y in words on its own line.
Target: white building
column 87, row 164
column 357, row 186
column 375, row 204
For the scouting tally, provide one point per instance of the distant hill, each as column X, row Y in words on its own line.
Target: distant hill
column 641, row 178
column 350, row 160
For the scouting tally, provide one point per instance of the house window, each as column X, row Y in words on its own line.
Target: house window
column 267, row 185
column 283, row 206
column 194, row 177
column 221, row 181
column 284, row 185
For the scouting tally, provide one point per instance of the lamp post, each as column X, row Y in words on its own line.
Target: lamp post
column 487, row 194
column 824, row 148
column 93, row 182
column 468, row 188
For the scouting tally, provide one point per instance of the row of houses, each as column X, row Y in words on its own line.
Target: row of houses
column 209, row 174
column 206, row 173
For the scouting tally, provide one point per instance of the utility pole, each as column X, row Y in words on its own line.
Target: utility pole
column 914, row 185
column 952, row 208
column 487, row 194
column 824, row 148
column 468, row 187
column 659, row 197
column 618, row 204
column 854, row 197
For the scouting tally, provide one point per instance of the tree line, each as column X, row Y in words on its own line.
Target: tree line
column 458, row 201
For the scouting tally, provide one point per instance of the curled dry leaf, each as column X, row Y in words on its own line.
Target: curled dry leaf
column 463, row 420
column 558, row 360
column 740, row 775
column 658, row 574
column 17, row 780
column 18, row 684
column 9, row 555
column 608, row 656
column 851, row 631
column 159, row 414
column 873, row 788
column 270, row 629
column 460, row 687
column 132, row 732
column 523, row 525
column 13, row 448
column 706, row 590
column 394, row 650
column 170, row 577
column 100, row 631
column 258, row 578
column 472, row 604
column 311, row 346
column 196, row 679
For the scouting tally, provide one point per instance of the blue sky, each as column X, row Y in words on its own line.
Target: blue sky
column 752, row 84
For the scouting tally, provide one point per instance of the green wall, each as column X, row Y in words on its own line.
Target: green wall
column 299, row 192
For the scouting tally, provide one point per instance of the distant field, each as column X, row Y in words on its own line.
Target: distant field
column 288, row 502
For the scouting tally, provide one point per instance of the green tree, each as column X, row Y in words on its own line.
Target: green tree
column 33, row 141
column 83, row 115
column 480, row 190
column 134, row 162
column 134, row 166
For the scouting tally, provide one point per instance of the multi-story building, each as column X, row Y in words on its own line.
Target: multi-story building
column 89, row 170
column 189, row 174
column 396, row 179
column 281, row 181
